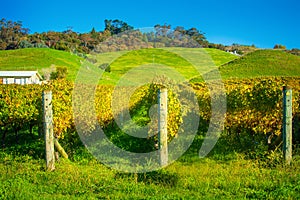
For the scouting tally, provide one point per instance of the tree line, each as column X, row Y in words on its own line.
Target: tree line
column 14, row 36
column 117, row 35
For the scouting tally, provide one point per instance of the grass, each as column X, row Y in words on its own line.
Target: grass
column 23, row 176
column 205, row 179
column 121, row 62
column 267, row 63
column 188, row 62
column 38, row 59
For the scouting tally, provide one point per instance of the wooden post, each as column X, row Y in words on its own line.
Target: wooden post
column 287, row 124
column 48, row 130
column 162, row 125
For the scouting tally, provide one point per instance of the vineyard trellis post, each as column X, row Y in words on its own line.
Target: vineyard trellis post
column 162, row 125
column 48, row 130
column 287, row 124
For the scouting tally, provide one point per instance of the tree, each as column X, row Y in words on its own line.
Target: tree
column 198, row 36
column 279, row 46
column 93, row 33
column 86, row 38
column 117, row 26
column 25, row 44
column 10, row 33
column 162, row 30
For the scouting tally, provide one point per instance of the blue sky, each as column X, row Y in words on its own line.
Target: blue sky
column 259, row 22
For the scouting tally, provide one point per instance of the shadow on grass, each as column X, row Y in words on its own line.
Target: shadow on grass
column 160, row 177
column 227, row 148
column 27, row 145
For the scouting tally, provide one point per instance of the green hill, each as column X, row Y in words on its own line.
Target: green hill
column 37, row 59
column 262, row 63
column 176, row 58
column 121, row 62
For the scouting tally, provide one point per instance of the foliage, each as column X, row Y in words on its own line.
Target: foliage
column 112, row 38
column 253, row 108
column 11, row 33
column 279, row 46
column 240, row 49
column 59, row 73
column 294, row 51
column 21, row 105
column 116, row 26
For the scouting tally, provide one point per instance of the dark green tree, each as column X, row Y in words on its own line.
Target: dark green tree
column 198, row 36
column 117, row 26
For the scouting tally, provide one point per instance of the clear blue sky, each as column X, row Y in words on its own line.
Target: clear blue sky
column 260, row 22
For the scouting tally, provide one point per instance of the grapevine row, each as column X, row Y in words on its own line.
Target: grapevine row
column 253, row 106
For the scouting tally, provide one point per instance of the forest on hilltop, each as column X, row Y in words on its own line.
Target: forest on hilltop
column 14, row 36
column 116, row 36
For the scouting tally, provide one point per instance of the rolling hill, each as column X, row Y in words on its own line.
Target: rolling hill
column 262, row 63
column 188, row 62
column 38, row 59
column 121, row 62
column 259, row 63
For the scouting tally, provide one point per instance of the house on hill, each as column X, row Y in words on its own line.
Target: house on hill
column 20, row 77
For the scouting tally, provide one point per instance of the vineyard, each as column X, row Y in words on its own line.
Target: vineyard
column 247, row 156
column 246, row 162
column 254, row 109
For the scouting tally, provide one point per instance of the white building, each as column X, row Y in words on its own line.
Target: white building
column 20, row 77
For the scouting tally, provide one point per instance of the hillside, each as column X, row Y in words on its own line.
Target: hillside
column 256, row 64
column 121, row 61
column 177, row 58
column 262, row 63
column 37, row 59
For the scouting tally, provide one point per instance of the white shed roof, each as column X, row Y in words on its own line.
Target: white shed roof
column 19, row 74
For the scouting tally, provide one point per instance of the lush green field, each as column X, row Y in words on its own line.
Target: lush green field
column 222, row 175
column 189, row 62
column 261, row 63
column 121, row 62
column 38, row 59
column 267, row 63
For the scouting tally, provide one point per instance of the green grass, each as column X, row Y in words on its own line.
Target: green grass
column 37, row 59
column 262, row 63
column 121, row 62
column 188, row 62
column 24, row 178
column 221, row 175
